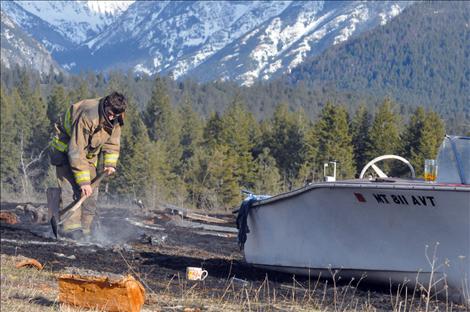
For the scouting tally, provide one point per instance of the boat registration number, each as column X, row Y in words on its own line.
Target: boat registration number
column 400, row 199
column 416, row 200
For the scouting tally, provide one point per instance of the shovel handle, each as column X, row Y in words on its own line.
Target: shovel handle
column 70, row 211
column 98, row 179
column 65, row 214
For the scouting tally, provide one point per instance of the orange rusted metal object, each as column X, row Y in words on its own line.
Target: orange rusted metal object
column 8, row 217
column 29, row 262
column 102, row 293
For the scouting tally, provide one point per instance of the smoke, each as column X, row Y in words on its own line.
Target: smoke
column 114, row 228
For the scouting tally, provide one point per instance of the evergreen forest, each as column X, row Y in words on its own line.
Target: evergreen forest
column 419, row 58
column 199, row 145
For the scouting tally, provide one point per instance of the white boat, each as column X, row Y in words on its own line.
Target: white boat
column 383, row 229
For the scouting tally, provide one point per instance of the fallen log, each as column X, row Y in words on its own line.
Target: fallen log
column 8, row 217
column 31, row 242
column 207, row 227
column 200, row 217
column 142, row 225
column 218, row 234
column 37, row 214
column 102, row 293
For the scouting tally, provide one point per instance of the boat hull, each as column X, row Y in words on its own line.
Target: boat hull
column 385, row 231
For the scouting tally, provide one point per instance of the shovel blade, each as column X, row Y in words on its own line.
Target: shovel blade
column 53, row 205
column 54, row 226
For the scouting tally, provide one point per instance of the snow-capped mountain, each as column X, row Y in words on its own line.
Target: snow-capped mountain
column 234, row 40
column 77, row 21
column 303, row 30
column 50, row 36
column 243, row 41
column 179, row 35
column 19, row 48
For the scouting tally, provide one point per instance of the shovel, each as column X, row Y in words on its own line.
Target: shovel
column 53, row 202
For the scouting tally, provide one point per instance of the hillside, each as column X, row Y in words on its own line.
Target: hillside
column 241, row 41
column 419, row 58
column 19, row 48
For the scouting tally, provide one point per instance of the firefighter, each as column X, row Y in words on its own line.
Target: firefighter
column 89, row 128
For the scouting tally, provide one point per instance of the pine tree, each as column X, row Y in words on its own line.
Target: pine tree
column 32, row 137
column 213, row 184
column 134, row 170
column 195, row 179
column 221, row 177
column 158, row 151
column 308, row 172
column 57, row 104
column 360, row 126
column 433, row 134
column 238, row 134
column 100, row 83
column 24, row 84
column 90, row 79
column 158, row 112
column 117, row 82
column 9, row 152
column 40, row 140
column 165, row 185
column 266, row 174
column 412, row 134
column 286, row 142
column 384, row 134
column 422, row 138
column 134, row 164
column 191, row 131
column 79, row 90
column 334, row 140
column 82, row 91
column 212, row 133
column 164, row 124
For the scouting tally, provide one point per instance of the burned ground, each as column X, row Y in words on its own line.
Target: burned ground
column 157, row 247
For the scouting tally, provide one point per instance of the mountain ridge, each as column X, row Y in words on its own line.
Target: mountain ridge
column 187, row 38
column 18, row 48
column 421, row 57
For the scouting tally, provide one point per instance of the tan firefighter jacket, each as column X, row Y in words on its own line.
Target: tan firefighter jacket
column 82, row 134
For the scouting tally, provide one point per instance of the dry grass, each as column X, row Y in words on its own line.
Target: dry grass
column 30, row 290
column 294, row 297
column 23, row 288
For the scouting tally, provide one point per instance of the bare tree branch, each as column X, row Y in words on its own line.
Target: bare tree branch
column 38, row 158
column 26, row 166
